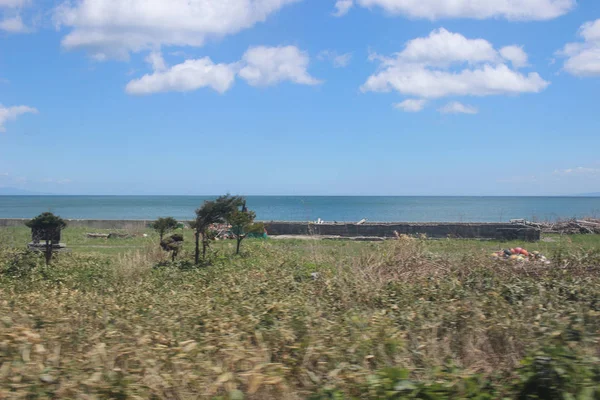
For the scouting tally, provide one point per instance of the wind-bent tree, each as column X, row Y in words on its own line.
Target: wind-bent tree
column 173, row 244
column 212, row 212
column 47, row 227
column 164, row 225
column 242, row 223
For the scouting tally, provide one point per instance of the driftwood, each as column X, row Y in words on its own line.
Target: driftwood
column 571, row 226
column 98, row 235
column 111, row 235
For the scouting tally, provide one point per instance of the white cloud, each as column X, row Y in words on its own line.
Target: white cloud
column 338, row 60
column 113, row 28
column 265, row 66
column 478, row 9
column 442, row 47
column 411, row 105
column 3, row 173
column 590, row 31
column 583, row 58
column 448, row 64
column 487, row 80
column 13, row 25
column 156, row 60
column 260, row 66
column 342, row 7
column 578, row 171
column 187, row 76
column 516, row 55
column 11, row 113
column 10, row 19
column 456, row 107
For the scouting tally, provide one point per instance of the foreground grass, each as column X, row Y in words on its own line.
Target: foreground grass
column 401, row 319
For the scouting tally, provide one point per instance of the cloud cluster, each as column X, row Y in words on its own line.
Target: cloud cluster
column 477, row 9
column 446, row 64
column 187, row 76
column 266, row 66
column 583, row 58
column 10, row 16
column 114, row 28
column 13, row 25
column 259, row 66
column 11, row 113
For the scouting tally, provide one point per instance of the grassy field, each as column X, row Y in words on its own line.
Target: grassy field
column 406, row 318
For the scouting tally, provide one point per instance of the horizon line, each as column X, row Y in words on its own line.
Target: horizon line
column 300, row 195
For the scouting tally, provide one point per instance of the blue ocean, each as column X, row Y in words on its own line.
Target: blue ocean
column 310, row 208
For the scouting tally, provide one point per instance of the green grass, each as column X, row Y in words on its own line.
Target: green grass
column 77, row 240
column 399, row 319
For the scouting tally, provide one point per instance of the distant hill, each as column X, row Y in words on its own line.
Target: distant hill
column 8, row 191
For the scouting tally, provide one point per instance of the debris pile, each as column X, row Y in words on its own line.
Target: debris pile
column 569, row 227
column 520, row 255
column 221, row 231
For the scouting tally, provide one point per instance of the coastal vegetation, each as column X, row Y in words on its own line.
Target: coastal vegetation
column 46, row 227
column 242, row 224
column 294, row 319
column 164, row 225
column 212, row 212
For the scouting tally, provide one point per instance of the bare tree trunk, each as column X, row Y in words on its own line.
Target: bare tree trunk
column 48, row 252
column 197, row 251
column 239, row 242
column 204, row 245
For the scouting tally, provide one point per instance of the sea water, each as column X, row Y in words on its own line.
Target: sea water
column 310, row 208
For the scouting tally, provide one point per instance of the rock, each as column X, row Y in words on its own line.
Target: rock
column 46, row 378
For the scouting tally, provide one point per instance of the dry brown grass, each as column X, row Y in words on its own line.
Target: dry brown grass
column 261, row 326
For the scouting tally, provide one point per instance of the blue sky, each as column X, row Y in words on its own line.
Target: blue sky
column 300, row 97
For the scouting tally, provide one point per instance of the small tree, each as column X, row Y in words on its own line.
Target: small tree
column 212, row 212
column 242, row 223
column 173, row 244
column 47, row 227
column 164, row 225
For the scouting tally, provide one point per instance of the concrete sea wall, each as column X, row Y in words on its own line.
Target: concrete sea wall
column 87, row 223
column 498, row 231
column 432, row 230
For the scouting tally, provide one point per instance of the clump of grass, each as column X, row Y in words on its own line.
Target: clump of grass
column 292, row 320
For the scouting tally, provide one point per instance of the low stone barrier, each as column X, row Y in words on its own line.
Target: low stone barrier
column 497, row 231
column 88, row 223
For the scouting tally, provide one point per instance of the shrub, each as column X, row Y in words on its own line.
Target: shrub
column 164, row 225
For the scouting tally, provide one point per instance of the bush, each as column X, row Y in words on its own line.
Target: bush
column 19, row 264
